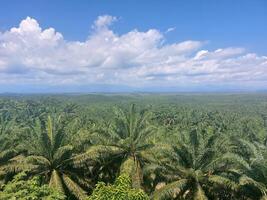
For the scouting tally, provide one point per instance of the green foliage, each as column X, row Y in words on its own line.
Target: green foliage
column 121, row 190
column 21, row 189
column 127, row 141
column 51, row 155
column 196, row 161
column 173, row 146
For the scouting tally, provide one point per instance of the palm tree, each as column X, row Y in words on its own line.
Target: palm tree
column 8, row 144
column 196, row 167
column 253, row 181
column 126, row 142
column 51, row 156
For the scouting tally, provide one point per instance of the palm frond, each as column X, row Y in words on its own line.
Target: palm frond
column 132, row 168
column 199, row 193
column 50, row 129
column 55, row 181
column 170, row 190
column 223, row 181
column 7, row 154
column 74, row 188
column 245, row 180
column 94, row 154
column 62, row 153
column 38, row 160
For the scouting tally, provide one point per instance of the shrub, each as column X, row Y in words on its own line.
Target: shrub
column 120, row 190
column 21, row 189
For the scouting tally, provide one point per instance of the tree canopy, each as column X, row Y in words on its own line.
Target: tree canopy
column 136, row 146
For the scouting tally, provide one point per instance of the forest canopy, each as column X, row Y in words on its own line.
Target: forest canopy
column 133, row 146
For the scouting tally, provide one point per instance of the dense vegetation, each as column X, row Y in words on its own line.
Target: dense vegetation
column 136, row 146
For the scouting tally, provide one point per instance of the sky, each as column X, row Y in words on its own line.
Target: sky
column 133, row 46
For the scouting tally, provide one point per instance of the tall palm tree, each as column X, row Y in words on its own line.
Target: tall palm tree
column 197, row 165
column 52, row 156
column 126, row 141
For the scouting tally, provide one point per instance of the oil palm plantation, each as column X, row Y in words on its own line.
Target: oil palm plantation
column 197, row 167
column 8, row 143
column 51, row 155
column 126, row 142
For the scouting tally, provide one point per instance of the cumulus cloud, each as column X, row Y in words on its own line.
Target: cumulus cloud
column 32, row 55
column 103, row 22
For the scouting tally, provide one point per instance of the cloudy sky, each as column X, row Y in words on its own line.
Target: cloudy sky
column 80, row 46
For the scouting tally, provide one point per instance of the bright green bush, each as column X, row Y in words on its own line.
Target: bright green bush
column 21, row 189
column 121, row 190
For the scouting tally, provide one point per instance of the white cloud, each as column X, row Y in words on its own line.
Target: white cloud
column 201, row 54
column 26, row 26
column 103, row 22
column 32, row 55
column 170, row 29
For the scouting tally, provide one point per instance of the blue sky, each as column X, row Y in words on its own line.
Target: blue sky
column 91, row 46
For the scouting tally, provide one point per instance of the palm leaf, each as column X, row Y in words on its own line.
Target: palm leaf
column 170, row 190
column 223, row 181
column 55, row 182
column 50, row 129
column 200, row 194
column 62, row 153
column 245, row 180
column 74, row 188
column 132, row 168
